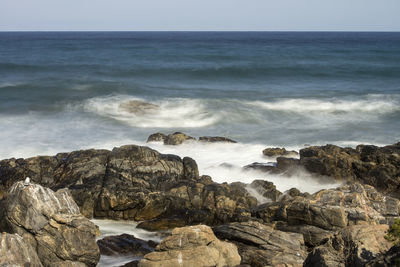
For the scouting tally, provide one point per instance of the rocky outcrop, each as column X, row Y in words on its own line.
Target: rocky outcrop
column 352, row 246
column 376, row 166
column 15, row 251
column 262, row 245
column 319, row 215
column 216, row 139
column 192, row 246
column 177, row 138
column 266, row 189
column 134, row 182
column 125, row 244
column 277, row 151
column 51, row 223
column 388, row 259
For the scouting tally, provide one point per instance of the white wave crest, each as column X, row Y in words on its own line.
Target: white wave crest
column 167, row 113
column 372, row 103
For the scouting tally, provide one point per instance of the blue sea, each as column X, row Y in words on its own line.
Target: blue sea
column 62, row 91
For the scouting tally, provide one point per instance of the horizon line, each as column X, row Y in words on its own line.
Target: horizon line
column 374, row 31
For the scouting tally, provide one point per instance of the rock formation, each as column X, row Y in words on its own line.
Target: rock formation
column 192, row 246
column 51, row 223
column 15, row 251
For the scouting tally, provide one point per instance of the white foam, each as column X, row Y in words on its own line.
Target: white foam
column 173, row 112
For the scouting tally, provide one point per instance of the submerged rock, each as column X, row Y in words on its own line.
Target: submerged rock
column 192, row 246
column 261, row 245
column 15, row 251
column 216, row 139
column 138, row 107
column 51, row 223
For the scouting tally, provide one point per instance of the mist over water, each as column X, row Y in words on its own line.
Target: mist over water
column 66, row 91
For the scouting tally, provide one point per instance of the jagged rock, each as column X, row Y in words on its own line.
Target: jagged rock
column 192, row 246
column 177, row 138
column 266, row 189
column 14, row 251
column 318, row 215
column 262, row 245
column 376, row 166
column 50, row 221
column 352, row 246
column 138, row 107
column 277, row 151
column 215, row 139
column 156, row 137
column 125, row 244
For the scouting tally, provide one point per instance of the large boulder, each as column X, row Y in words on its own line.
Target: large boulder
column 192, row 246
column 125, row 244
column 15, row 251
column 376, row 166
column 51, row 223
column 277, row 151
column 156, row 137
column 352, row 246
column 262, row 245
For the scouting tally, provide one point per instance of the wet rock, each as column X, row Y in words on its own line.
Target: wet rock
column 50, row 221
column 264, row 167
column 215, row 139
column 14, row 251
column 177, row 138
column 125, row 244
column 138, row 107
column 262, row 245
column 376, row 166
column 277, row 151
column 192, row 246
column 352, row 246
column 156, row 137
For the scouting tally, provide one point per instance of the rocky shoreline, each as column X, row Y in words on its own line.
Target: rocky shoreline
column 212, row 224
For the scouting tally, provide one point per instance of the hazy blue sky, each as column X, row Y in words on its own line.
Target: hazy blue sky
column 352, row 15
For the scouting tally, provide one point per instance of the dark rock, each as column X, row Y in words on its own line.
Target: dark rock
column 388, row 259
column 177, row 138
column 262, row 245
column 15, row 251
column 214, row 139
column 156, row 137
column 264, row 167
column 276, row 152
column 125, row 244
column 352, row 246
column 51, row 223
column 376, row 166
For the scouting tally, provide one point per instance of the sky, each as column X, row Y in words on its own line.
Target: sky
column 199, row 15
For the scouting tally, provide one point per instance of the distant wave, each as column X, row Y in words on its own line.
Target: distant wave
column 372, row 103
column 169, row 113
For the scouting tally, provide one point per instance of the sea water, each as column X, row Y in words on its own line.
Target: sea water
column 63, row 91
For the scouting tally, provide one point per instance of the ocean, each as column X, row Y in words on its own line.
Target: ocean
column 64, row 91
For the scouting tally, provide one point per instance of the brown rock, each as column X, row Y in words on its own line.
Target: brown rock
column 215, row 139
column 192, row 246
column 177, row 138
column 156, row 137
column 14, row 251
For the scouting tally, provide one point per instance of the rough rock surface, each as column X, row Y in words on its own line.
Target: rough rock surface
column 321, row 214
column 134, row 182
column 376, row 166
column 266, row 189
column 389, row 259
column 14, row 251
column 262, row 245
column 352, row 246
column 192, row 246
column 125, row 244
column 50, row 221
column 216, row 139
column 177, row 138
